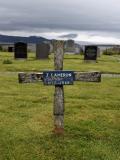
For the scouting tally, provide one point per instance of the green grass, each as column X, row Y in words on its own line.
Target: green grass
column 71, row 62
column 92, row 114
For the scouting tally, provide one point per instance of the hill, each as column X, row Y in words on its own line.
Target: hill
column 13, row 39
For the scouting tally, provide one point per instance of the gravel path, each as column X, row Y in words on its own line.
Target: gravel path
column 109, row 75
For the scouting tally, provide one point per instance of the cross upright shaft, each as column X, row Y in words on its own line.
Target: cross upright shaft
column 59, row 89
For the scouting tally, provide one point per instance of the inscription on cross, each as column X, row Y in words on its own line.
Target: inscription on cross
column 59, row 78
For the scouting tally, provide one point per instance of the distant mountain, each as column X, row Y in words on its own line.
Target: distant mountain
column 14, row 39
column 70, row 36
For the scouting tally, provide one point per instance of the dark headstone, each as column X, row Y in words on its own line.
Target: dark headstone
column 90, row 53
column 10, row 49
column 20, row 50
column 42, row 51
column 1, row 49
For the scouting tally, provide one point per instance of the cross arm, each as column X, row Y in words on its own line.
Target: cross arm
column 88, row 76
column 78, row 76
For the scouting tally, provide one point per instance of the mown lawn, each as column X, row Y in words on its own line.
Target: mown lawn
column 92, row 114
column 71, row 62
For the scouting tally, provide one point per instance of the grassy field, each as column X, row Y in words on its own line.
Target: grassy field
column 71, row 62
column 92, row 113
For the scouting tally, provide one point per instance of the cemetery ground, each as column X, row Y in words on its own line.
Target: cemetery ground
column 92, row 113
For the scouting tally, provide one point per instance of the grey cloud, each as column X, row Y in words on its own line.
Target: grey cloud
column 72, row 35
column 29, row 15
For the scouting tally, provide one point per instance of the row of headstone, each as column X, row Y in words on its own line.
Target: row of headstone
column 20, row 51
column 90, row 53
column 43, row 49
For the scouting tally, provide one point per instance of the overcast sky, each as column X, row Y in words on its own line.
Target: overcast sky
column 91, row 20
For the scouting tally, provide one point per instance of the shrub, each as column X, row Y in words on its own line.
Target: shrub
column 7, row 61
column 111, row 52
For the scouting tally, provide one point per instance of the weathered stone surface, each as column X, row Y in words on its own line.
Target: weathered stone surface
column 42, row 51
column 59, row 100
column 58, row 54
column 59, row 121
column 59, row 89
column 88, row 76
column 30, row 77
column 70, row 46
column 79, row 76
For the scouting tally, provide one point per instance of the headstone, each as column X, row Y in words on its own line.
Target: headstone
column 70, row 46
column 10, row 49
column 98, row 52
column 42, row 51
column 70, row 43
column 77, row 50
column 90, row 53
column 20, row 50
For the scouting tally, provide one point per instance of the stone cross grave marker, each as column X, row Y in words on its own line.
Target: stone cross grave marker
column 20, row 50
column 59, row 78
